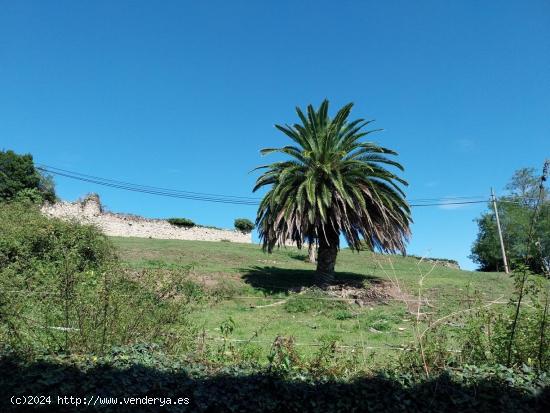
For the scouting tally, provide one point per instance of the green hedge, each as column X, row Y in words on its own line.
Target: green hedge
column 181, row 222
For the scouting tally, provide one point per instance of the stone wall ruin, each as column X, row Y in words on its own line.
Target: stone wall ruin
column 89, row 211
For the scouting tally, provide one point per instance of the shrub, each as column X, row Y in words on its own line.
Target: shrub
column 32, row 245
column 29, row 196
column 244, row 225
column 487, row 335
column 62, row 289
column 181, row 222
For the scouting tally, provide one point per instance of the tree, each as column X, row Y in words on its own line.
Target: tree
column 486, row 249
column 516, row 212
column 524, row 186
column 18, row 176
column 333, row 183
column 244, row 225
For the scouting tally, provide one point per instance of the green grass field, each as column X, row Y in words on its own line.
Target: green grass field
column 259, row 292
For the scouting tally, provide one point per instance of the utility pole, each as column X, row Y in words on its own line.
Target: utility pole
column 506, row 270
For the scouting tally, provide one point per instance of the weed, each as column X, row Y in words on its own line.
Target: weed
column 342, row 314
column 283, row 357
column 314, row 300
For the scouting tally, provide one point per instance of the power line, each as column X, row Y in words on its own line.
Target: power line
column 450, row 198
column 217, row 198
column 152, row 191
column 52, row 169
column 450, row 203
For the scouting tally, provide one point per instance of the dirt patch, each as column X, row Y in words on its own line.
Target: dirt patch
column 366, row 294
column 207, row 281
column 360, row 294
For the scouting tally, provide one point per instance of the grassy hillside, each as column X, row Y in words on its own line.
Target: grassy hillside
column 261, row 296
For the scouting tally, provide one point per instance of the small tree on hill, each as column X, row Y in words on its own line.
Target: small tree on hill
column 20, row 179
column 181, row 222
column 244, row 225
column 516, row 213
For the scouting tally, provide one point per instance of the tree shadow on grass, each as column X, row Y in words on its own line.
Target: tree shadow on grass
column 299, row 257
column 243, row 391
column 284, row 280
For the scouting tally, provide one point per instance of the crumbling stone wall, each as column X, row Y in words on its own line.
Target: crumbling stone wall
column 89, row 211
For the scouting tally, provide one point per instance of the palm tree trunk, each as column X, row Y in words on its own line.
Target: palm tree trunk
column 326, row 257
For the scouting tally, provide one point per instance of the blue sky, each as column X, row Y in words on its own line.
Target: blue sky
column 184, row 94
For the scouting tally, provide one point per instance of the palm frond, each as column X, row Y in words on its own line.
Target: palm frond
column 333, row 183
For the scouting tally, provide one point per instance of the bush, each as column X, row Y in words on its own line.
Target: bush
column 29, row 196
column 32, row 245
column 181, row 222
column 487, row 335
column 244, row 225
column 63, row 289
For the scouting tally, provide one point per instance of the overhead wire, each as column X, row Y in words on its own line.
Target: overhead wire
column 151, row 191
column 219, row 198
column 59, row 171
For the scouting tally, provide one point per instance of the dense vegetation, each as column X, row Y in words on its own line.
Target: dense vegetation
column 73, row 316
column 516, row 212
column 19, row 179
column 142, row 371
column 62, row 289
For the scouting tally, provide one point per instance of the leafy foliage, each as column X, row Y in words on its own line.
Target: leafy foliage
column 181, row 222
column 142, row 370
column 523, row 185
column 62, row 289
column 244, row 225
column 19, row 177
column 31, row 241
column 516, row 212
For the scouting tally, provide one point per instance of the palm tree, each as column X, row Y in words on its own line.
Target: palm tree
column 333, row 183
